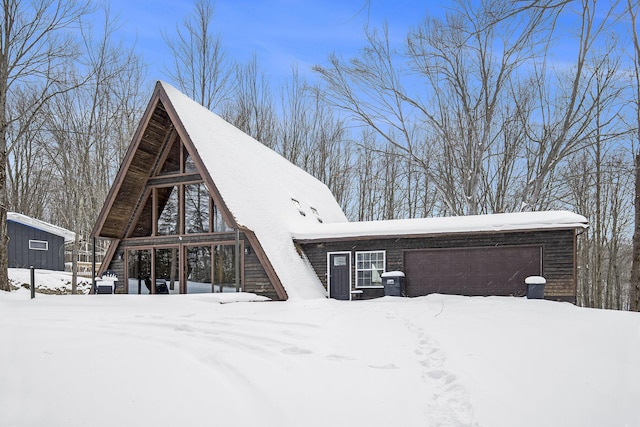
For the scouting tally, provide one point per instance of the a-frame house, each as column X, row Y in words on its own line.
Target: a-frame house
column 199, row 206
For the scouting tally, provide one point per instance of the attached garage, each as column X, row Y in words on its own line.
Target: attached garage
column 478, row 271
column 478, row 255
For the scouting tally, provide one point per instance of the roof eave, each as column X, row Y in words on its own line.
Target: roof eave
column 316, row 238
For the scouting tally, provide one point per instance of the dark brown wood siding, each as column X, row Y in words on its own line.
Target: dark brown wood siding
column 130, row 190
column 254, row 276
column 558, row 254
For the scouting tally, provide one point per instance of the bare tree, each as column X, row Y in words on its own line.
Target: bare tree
column 466, row 67
column 34, row 47
column 310, row 135
column 252, row 108
column 469, row 62
column 370, row 89
column 633, row 8
column 568, row 102
column 597, row 184
column 85, row 128
column 200, row 68
column 29, row 175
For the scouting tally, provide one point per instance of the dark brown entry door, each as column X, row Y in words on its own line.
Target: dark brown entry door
column 339, row 275
column 492, row 270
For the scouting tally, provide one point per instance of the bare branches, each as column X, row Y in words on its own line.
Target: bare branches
column 34, row 45
column 633, row 9
column 201, row 68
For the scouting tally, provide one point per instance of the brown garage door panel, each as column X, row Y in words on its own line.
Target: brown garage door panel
column 496, row 270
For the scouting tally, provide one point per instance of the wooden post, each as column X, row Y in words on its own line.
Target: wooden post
column 33, row 282
column 237, row 260
column 93, row 266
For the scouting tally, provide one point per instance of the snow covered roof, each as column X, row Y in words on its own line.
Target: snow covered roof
column 263, row 191
column 520, row 221
column 69, row 236
column 273, row 201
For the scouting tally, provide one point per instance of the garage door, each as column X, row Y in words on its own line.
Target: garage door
column 472, row 271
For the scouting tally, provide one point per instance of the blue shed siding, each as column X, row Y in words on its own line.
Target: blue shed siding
column 20, row 256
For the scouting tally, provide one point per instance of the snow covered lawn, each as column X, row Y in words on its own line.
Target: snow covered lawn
column 47, row 281
column 188, row 360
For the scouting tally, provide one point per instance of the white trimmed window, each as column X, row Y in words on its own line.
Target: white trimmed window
column 39, row 245
column 369, row 268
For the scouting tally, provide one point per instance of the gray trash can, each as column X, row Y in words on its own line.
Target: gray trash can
column 393, row 283
column 535, row 287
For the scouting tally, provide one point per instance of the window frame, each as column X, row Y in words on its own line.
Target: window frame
column 183, row 206
column 46, row 245
column 156, row 214
column 359, row 270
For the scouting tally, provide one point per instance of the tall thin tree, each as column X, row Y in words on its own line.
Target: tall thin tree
column 634, row 7
column 34, row 46
column 200, row 66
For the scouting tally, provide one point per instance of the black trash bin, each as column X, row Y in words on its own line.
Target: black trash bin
column 161, row 287
column 535, row 287
column 393, row 283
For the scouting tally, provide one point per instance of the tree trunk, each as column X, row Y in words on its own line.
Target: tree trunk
column 74, row 264
column 635, row 266
column 4, row 237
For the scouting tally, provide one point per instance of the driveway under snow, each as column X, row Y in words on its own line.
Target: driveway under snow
column 108, row 360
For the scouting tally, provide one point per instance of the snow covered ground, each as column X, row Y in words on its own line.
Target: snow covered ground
column 47, row 281
column 200, row 360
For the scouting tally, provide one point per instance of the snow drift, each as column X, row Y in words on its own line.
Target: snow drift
column 105, row 360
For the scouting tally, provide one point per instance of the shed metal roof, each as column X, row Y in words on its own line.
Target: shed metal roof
column 69, row 236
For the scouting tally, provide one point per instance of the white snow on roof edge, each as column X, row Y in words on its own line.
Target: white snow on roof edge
column 260, row 188
column 519, row 221
column 279, row 202
column 69, row 236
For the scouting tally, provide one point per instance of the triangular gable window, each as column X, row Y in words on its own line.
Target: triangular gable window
column 171, row 164
column 189, row 164
column 176, row 159
column 181, row 207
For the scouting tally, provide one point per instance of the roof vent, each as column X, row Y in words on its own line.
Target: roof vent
column 315, row 212
column 299, row 206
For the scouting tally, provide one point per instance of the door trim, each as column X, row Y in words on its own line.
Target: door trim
column 329, row 272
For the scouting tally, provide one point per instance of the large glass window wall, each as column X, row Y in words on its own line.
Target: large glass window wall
column 205, row 268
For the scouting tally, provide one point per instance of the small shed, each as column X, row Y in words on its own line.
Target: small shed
column 36, row 243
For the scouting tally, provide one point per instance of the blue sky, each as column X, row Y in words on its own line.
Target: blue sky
column 280, row 32
column 283, row 33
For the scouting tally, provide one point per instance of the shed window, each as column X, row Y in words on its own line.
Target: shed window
column 369, row 268
column 39, row 245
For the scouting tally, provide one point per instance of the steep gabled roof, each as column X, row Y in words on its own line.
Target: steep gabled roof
column 127, row 191
column 259, row 191
column 263, row 191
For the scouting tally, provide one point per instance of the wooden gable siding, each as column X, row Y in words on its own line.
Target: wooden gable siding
column 558, row 252
column 127, row 215
column 254, row 277
column 135, row 173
